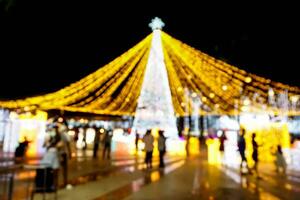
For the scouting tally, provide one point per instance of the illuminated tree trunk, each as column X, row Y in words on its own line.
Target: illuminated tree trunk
column 155, row 109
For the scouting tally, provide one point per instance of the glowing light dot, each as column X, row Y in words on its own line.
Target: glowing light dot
column 60, row 119
column 26, row 108
column 224, row 87
column 288, row 186
column 294, row 99
column 246, row 102
column 182, row 104
column 194, row 94
column 244, row 108
column 179, row 89
column 217, row 105
column 211, row 95
column 101, row 130
column 271, row 92
column 71, row 133
column 248, row 79
column 204, row 99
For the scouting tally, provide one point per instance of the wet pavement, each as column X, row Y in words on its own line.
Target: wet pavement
column 198, row 180
column 192, row 178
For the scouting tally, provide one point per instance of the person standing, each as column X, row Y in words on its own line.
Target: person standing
column 76, row 135
column 148, row 139
column 85, row 128
column 20, row 152
column 255, row 153
column 187, row 145
column 64, row 149
column 107, row 144
column 96, row 142
column 280, row 161
column 51, row 157
column 137, row 137
column 222, row 146
column 161, row 147
column 242, row 148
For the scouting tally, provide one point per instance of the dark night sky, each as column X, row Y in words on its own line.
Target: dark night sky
column 46, row 46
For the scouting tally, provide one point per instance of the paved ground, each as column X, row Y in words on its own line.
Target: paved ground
column 193, row 178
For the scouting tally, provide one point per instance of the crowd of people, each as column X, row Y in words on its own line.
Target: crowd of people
column 247, row 166
column 280, row 161
column 59, row 151
column 58, row 146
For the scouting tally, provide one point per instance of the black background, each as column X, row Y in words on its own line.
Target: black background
column 46, row 45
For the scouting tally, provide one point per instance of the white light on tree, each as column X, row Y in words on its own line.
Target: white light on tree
column 155, row 109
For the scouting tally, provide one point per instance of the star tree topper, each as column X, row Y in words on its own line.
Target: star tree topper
column 156, row 23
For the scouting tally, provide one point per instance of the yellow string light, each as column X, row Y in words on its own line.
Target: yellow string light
column 114, row 88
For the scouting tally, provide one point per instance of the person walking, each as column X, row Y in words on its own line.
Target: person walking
column 242, row 148
column 255, row 153
column 161, row 147
column 148, row 139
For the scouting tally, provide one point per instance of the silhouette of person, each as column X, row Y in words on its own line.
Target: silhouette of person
column 255, row 153
column 76, row 134
column 161, row 147
column 222, row 145
column 137, row 137
column 242, row 148
column 107, row 144
column 20, row 151
column 96, row 142
column 187, row 145
column 280, row 161
column 85, row 127
column 64, row 149
column 148, row 139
